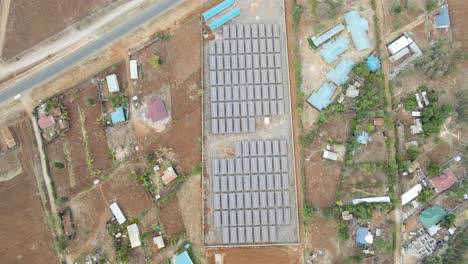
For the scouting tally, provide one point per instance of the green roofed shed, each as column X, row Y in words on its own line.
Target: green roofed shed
column 432, row 216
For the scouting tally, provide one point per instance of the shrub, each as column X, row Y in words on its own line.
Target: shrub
column 297, row 11
column 358, row 258
column 410, row 104
column 433, row 169
column 197, row 169
column 58, row 165
column 397, row 8
column 62, row 200
column 425, row 195
column 149, row 157
column 62, row 243
column 449, row 221
column 118, row 100
column 307, row 212
column 155, row 60
column 370, row 128
column 431, row 5
column 90, row 101
column 412, row 152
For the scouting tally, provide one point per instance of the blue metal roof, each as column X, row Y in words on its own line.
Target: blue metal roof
column 361, row 234
column 183, row 258
column 118, row 116
column 327, row 35
column 442, row 20
column 224, row 19
column 373, row 63
column 340, row 74
column 362, row 138
column 322, row 98
column 217, row 9
column 358, row 27
column 332, row 50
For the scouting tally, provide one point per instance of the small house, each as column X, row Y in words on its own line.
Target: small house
column 183, row 258
column 346, row 216
column 416, row 113
column 373, row 63
column 444, row 181
column 45, row 121
column 364, row 236
column 330, row 155
column 411, row 194
column 352, row 91
column 118, row 116
column 322, row 98
column 442, row 19
column 133, row 69
column 358, row 27
column 379, row 121
column 159, row 242
column 63, row 124
column 382, row 199
column 112, row 83
column 432, row 215
column 363, row 138
column 67, row 223
column 119, row 216
column 7, row 138
column 134, row 235
column 417, row 128
column 168, row 176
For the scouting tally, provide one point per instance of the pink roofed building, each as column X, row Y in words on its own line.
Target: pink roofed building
column 45, row 121
column 444, row 181
column 156, row 109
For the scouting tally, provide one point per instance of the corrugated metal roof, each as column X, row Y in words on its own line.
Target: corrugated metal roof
column 358, row 27
column 327, row 35
column 322, row 98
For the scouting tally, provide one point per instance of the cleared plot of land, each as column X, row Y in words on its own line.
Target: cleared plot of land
column 179, row 77
column 374, row 151
column 273, row 255
column 458, row 10
column 25, row 235
column 363, row 180
column 171, row 218
column 32, row 21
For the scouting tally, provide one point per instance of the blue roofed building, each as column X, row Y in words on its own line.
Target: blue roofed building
column 332, row 50
column 373, row 63
column 340, row 74
column 362, row 138
column 224, row 19
column 217, row 9
column 118, row 116
column 183, row 258
column 363, row 236
column 442, row 19
column 327, row 35
column 322, row 98
column 358, row 27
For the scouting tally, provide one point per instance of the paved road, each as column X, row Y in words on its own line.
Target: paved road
column 70, row 60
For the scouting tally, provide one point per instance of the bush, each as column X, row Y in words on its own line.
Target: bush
column 358, row 258
column 197, row 169
column 62, row 243
column 58, row 165
column 431, row 5
column 307, row 212
column 118, row 100
column 412, row 153
column 436, row 61
column 370, row 128
column 425, row 195
column 397, row 8
column 361, row 69
column 410, row 104
column 149, row 157
column 433, row 169
column 297, row 11
column 62, row 200
column 329, row 212
column 449, row 221
column 90, row 101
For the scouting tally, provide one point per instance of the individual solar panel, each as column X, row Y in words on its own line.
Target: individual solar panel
column 219, row 47
column 247, row 183
column 278, row 181
column 279, row 198
column 241, row 234
column 247, row 200
column 271, row 76
column 256, row 61
column 261, row 30
column 258, row 92
column 273, row 108
column 273, row 236
column 255, row 200
column 250, row 78
column 261, row 182
column 235, row 93
column 239, row 162
column 256, row 217
column 286, row 198
column 232, row 218
column 243, row 93
column 276, row 147
column 232, row 200
column 247, row 31
column 263, row 61
column 212, row 63
column 258, row 108
column 254, row 46
column 276, row 164
column 224, row 201
column 237, row 149
column 241, row 59
column 244, row 125
column 285, row 180
column 232, row 183
column 264, row 76
column 225, row 31
column 225, row 218
column 257, row 234
column 262, row 45
column 240, row 200
column 225, row 235
column 239, row 184
column 254, row 182
column 253, row 148
column 222, row 166
column 221, row 110
column 265, row 92
column 266, row 108
column 230, row 166
column 264, row 233
column 216, row 201
column 269, row 164
column 251, row 124
column 228, row 93
column 276, row 30
column 263, row 199
column 253, row 165
column 233, row 235
column 269, row 45
column 243, row 109
column 224, row 184
column 271, row 216
column 213, row 80
column 216, row 187
column 233, row 46
column 217, row 218
column 240, row 30
column 242, row 74
column 287, row 216
column 277, row 46
column 246, row 165
column 215, row 166
column 237, row 128
column 284, row 163
column 271, row 199
column 214, row 110
column 283, row 147
column 277, row 60
column 240, row 216
column 261, row 165
column 254, row 30
column 219, row 62
column 260, row 148
column 245, row 148
column 248, row 217
column 279, row 76
column 279, row 216
column 271, row 61
column 227, row 62
column 250, row 93
column 280, row 105
column 264, row 216
column 227, row 78
column 226, row 47
column 248, row 234
column 248, row 46
column 270, row 182
column 211, row 47
column 234, row 63
column 228, row 110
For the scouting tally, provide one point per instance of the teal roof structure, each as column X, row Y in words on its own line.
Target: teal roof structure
column 358, row 27
column 118, row 116
column 442, row 20
column 183, row 258
column 224, row 19
column 432, row 216
column 373, row 63
column 332, row 50
column 217, row 9
column 340, row 74
column 327, row 35
column 322, row 98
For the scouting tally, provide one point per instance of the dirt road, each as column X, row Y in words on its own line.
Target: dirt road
column 4, row 10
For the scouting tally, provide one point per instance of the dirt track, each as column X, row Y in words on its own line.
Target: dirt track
column 25, row 235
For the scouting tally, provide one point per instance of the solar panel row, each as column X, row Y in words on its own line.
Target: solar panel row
column 239, row 31
column 249, row 234
column 239, row 200
column 246, row 93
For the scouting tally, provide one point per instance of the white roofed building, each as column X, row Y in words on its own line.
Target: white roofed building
column 134, row 235
column 399, row 44
column 383, row 199
column 112, row 83
column 411, row 194
column 117, row 213
column 133, row 69
column 159, row 242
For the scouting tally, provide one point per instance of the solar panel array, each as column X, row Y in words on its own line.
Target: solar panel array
column 251, row 194
column 246, row 78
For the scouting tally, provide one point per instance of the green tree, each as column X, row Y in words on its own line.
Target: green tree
column 118, row 100
column 397, row 8
column 358, row 258
column 58, row 165
column 90, row 101
column 360, row 69
column 431, row 5
column 436, row 61
column 462, row 105
column 425, row 195
column 412, row 152
column 370, row 128
column 449, row 221
column 410, row 104
column 433, row 169
column 307, row 212
column 155, row 60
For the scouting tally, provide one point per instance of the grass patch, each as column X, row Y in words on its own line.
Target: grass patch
column 85, row 141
